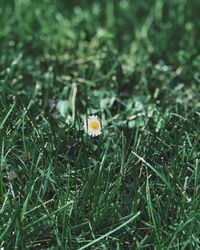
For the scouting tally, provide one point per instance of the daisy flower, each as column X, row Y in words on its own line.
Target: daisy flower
column 92, row 125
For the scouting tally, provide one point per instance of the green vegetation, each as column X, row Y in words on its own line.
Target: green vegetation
column 136, row 65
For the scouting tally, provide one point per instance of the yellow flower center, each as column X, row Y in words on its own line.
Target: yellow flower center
column 94, row 125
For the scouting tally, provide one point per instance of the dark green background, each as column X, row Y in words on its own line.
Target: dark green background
column 136, row 65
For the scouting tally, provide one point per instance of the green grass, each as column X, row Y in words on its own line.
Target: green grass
column 136, row 65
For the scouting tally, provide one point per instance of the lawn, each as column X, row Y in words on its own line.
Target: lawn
column 136, row 65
